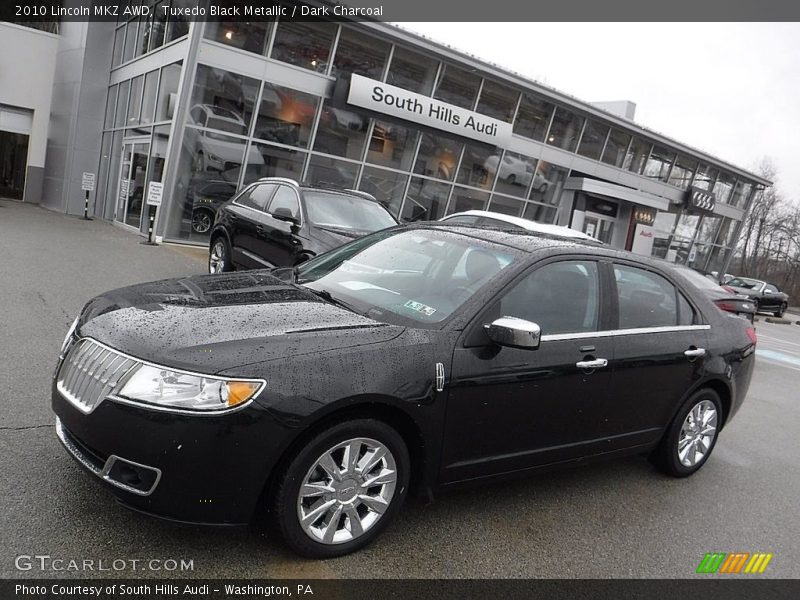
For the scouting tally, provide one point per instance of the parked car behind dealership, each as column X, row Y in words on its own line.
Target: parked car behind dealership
column 277, row 222
column 765, row 296
column 422, row 357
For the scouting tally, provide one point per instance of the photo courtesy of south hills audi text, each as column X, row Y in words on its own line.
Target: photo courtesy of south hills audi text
column 159, row 590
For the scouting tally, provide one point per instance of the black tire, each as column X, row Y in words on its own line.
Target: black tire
column 756, row 305
column 220, row 244
column 284, row 504
column 665, row 456
column 779, row 313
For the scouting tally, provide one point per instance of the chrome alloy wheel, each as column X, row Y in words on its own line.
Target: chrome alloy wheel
column 216, row 258
column 346, row 491
column 697, row 433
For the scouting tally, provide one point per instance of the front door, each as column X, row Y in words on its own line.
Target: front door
column 599, row 227
column 510, row 409
column 132, row 182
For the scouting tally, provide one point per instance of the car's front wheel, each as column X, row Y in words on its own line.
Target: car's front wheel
column 342, row 489
column 779, row 313
column 691, row 436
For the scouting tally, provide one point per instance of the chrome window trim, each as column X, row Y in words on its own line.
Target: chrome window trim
column 104, row 473
column 138, row 403
column 555, row 337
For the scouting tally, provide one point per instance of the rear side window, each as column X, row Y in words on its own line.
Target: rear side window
column 562, row 297
column 686, row 315
column 257, row 197
column 646, row 299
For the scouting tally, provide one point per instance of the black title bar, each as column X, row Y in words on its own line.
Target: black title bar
column 403, row 10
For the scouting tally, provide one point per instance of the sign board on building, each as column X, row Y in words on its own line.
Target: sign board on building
column 154, row 192
column 87, row 182
column 644, row 215
column 125, row 188
column 391, row 100
column 702, row 201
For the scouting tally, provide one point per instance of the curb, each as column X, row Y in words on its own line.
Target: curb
column 778, row 320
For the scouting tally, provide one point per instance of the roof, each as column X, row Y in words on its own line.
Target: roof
column 519, row 80
column 527, row 224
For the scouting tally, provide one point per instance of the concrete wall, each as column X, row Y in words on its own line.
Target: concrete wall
column 27, row 65
column 79, row 92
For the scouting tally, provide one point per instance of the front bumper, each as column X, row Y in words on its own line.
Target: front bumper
column 209, row 469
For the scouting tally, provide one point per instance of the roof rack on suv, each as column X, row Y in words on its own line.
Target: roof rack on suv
column 325, row 185
column 287, row 180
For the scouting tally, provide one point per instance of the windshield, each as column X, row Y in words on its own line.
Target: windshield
column 743, row 282
column 342, row 211
column 227, row 125
column 407, row 276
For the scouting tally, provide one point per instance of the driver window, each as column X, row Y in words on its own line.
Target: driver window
column 562, row 297
column 771, row 289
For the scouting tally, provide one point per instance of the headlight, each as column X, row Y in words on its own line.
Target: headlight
column 68, row 337
column 175, row 389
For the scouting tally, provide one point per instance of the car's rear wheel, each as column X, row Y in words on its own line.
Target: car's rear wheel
column 756, row 304
column 691, row 436
column 342, row 489
column 779, row 313
column 219, row 256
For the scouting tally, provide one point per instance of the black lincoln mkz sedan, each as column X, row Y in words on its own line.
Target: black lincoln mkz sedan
column 421, row 358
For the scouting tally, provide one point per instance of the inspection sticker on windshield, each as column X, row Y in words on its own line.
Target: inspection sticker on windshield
column 420, row 308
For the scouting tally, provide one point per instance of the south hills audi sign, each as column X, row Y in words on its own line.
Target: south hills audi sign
column 391, row 100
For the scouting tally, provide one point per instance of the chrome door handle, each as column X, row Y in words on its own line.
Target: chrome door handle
column 695, row 353
column 597, row 363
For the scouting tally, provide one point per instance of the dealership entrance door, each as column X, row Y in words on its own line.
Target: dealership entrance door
column 132, row 182
column 15, row 129
column 13, row 161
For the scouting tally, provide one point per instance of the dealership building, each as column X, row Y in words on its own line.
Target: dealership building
column 206, row 108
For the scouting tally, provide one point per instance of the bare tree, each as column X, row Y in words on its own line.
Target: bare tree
column 769, row 243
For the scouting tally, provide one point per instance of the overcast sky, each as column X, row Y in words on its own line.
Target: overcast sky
column 730, row 89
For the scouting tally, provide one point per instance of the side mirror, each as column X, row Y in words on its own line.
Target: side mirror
column 285, row 214
column 514, row 333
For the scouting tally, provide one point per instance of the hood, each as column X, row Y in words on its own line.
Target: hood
column 214, row 323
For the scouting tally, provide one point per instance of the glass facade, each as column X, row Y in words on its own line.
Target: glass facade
column 237, row 129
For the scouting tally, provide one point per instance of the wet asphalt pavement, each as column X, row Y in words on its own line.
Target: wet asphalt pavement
column 617, row 519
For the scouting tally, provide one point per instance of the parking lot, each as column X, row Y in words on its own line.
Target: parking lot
column 618, row 519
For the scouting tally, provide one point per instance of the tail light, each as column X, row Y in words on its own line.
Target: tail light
column 751, row 333
column 728, row 306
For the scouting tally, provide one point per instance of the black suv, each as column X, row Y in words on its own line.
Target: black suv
column 278, row 222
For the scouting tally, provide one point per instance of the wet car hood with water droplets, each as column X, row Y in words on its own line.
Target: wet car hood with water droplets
column 214, row 323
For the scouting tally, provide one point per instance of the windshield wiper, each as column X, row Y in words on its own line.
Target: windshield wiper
column 326, row 295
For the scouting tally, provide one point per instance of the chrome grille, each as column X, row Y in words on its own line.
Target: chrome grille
column 89, row 373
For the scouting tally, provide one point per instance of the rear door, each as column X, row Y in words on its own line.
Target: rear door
column 771, row 298
column 659, row 346
column 244, row 216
